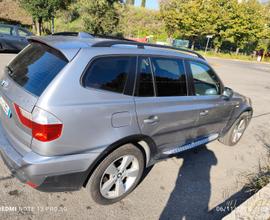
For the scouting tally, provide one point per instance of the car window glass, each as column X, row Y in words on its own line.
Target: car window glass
column 35, row 67
column 205, row 80
column 22, row 33
column 145, row 84
column 5, row 30
column 109, row 73
column 170, row 77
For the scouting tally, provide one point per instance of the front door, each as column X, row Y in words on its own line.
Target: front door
column 213, row 110
column 164, row 110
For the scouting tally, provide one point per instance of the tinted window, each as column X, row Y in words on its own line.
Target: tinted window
column 205, row 80
column 5, row 30
column 35, row 67
column 145, row 80
column 170, row 77
column 109, row 73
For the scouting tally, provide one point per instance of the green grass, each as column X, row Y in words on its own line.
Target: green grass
column 231, row 56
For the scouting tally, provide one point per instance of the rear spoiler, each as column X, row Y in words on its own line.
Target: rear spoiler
column 67, row 53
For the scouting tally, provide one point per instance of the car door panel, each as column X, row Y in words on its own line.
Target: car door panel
column 166, row 117
column 176, row 118
column 213, row 110
column 213, row 114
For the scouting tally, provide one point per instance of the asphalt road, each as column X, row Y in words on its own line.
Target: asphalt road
column 196, row 185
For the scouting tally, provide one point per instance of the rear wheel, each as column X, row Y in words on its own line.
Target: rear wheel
column 233, row 136
column 117, row 175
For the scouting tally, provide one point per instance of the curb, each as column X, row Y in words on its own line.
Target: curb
column 256, row 207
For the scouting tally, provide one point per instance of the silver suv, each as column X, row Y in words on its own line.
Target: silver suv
column 92, row 112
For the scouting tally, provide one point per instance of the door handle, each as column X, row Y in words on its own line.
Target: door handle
column 204, row 113
column 151, row 120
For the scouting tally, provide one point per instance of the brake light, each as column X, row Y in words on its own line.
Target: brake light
column 45, row 126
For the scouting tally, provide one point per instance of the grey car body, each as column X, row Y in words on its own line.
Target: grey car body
column 96, row 121
column 13, row 37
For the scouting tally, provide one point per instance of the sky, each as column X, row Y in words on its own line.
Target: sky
column 152, row 4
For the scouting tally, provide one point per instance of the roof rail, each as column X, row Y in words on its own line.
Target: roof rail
column 109, row 43
column 73, row 34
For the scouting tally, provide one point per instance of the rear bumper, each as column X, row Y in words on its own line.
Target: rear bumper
column 56, row 173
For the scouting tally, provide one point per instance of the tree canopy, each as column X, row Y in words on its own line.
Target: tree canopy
column 101, row 16
column 226, row 20
column 43, row 9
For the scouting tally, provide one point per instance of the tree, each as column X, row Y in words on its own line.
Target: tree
column 41, row 10
column 143, row 4
column 101, row 16
column 142, row 22
column 192, row 19
column 245, row 24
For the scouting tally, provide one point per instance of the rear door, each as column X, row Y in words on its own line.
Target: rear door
column 213, row 110
column 24, row 80
column 164, row 110
column 7, row 37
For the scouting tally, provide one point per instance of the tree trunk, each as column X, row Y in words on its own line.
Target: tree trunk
column 193, row 45
column 143, row 3
column 52, row 29
column 216, row 49
column 237, row 51
column 34, row 27
column 39, row 26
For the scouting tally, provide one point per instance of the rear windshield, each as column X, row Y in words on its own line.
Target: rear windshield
column 35, row 67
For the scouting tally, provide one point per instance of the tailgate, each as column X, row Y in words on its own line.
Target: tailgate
column 10, row 93
column 23, row 82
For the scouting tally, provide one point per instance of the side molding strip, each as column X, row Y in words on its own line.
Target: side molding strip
column 191, row 145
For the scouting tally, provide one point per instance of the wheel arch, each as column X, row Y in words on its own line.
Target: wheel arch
column 145, row 143
column 235, row 116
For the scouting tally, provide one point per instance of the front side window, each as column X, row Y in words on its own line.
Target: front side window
column 145, row 86
column 205, row 80
column 170, row 77
column 22, row 33
column 109, row 73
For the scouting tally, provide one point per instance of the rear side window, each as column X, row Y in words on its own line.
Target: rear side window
column 145, row 84
column 170, row 77
column 5, row 30
column 35, row 67
column 109, row 73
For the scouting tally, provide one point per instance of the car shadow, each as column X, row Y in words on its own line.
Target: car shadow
column 191, row 194
column 9, row 52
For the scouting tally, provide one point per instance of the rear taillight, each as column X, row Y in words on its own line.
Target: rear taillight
column 45, row 126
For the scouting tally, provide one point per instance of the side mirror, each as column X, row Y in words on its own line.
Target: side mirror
column 227, row 93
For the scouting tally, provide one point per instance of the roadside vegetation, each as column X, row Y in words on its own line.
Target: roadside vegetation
column 236, row 29
column 232, row 55
column 262, row 178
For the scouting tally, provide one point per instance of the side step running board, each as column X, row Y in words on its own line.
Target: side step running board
column 191, row 145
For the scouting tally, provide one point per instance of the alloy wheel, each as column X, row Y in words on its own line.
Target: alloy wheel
column 119, row 177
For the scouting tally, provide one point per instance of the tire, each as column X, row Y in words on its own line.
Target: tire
column 229, row 138
column 108, row 185
column 1, row 48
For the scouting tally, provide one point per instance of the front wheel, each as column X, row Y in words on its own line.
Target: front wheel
column 233, row 136
column 117, row 175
